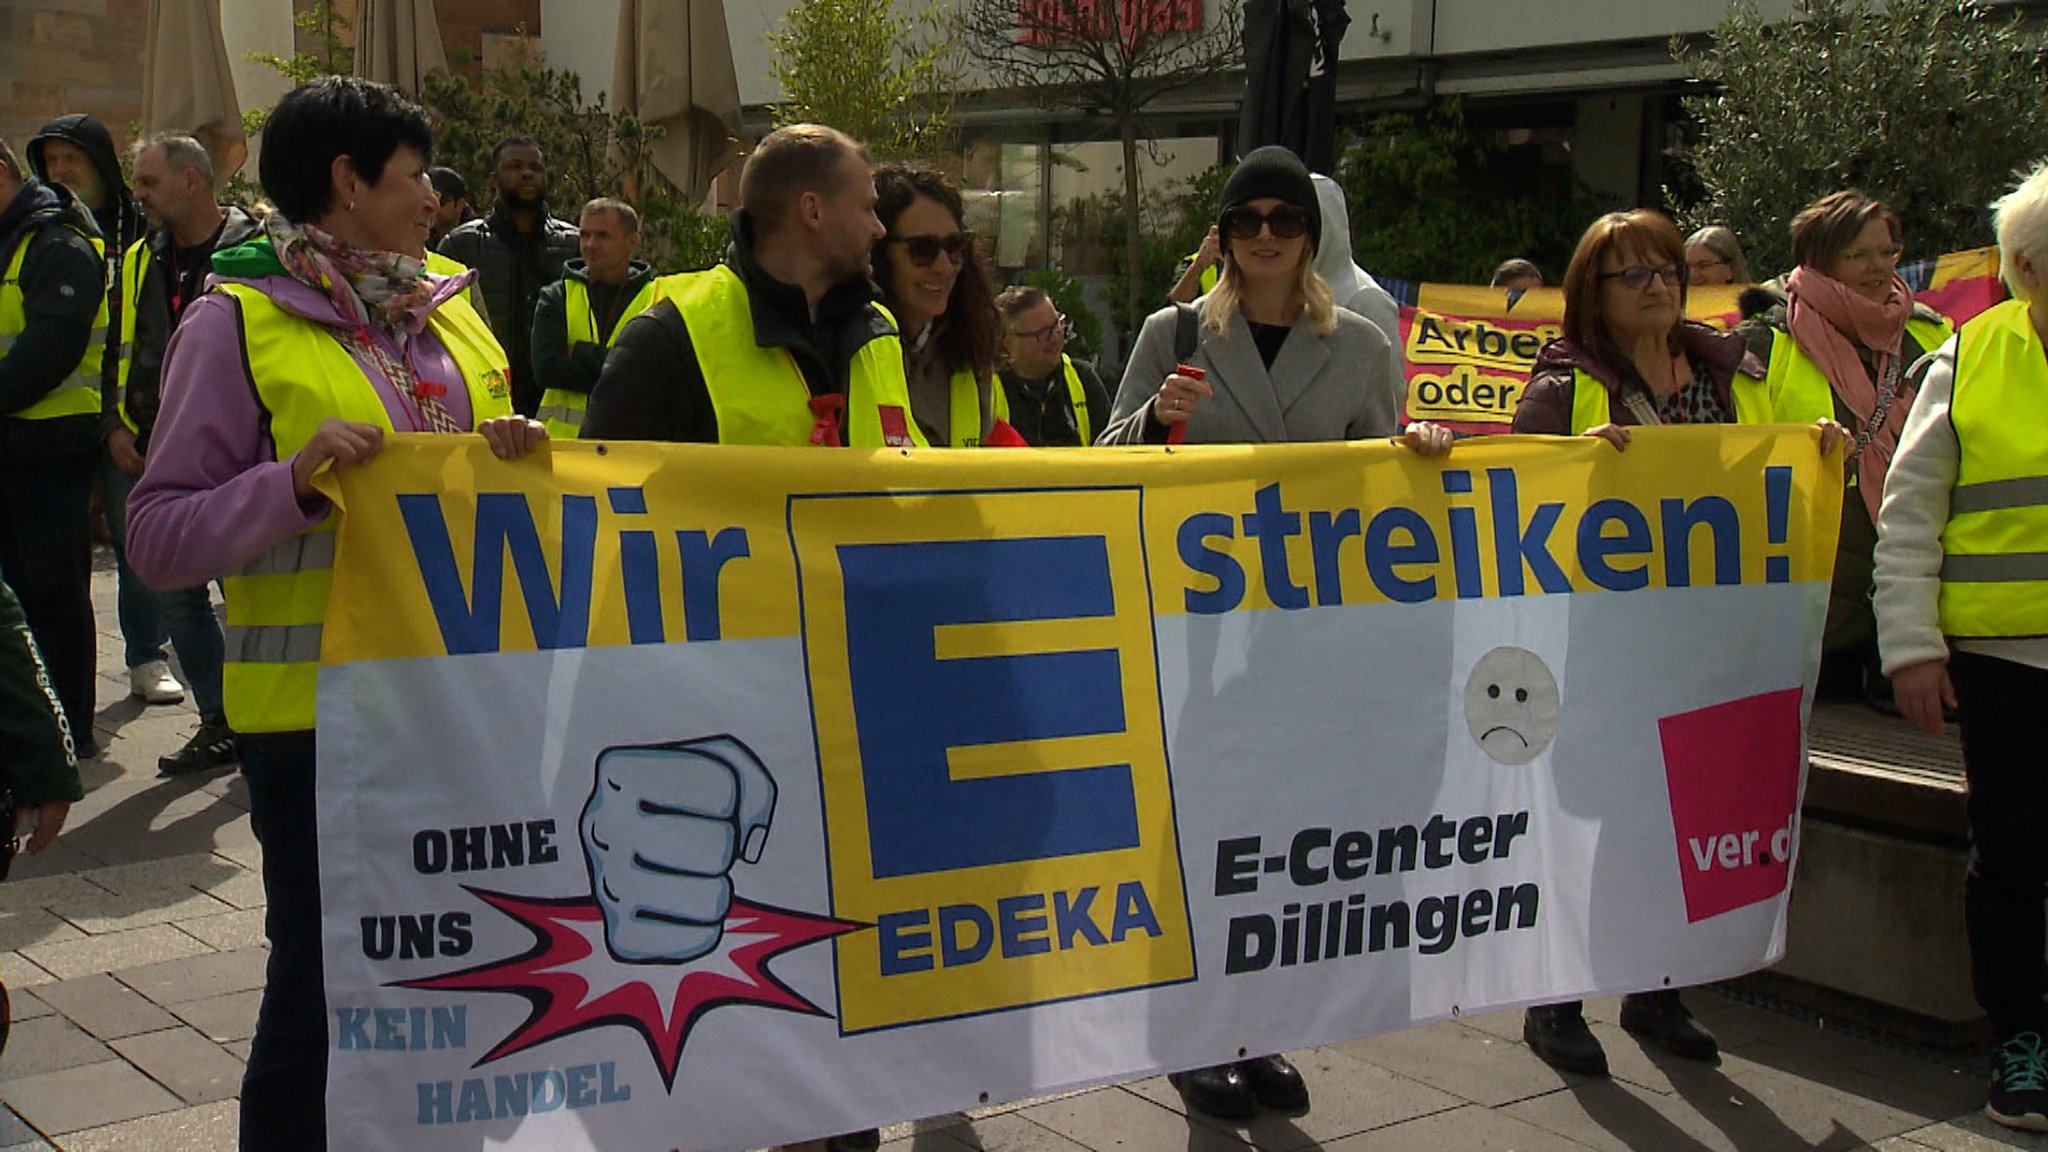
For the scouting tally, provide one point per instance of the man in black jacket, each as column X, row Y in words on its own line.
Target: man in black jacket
column 163, row 274
column 802, row 237
column 1054, row 402
column 517, row 250
column 78, row 152
column 51, row 301
column 579, row 315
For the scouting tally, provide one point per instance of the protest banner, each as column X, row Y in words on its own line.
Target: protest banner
column 714, row 797
column 1469, row 349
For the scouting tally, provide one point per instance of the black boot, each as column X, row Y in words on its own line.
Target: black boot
column 1220, row 1092
column 1557, row 1033
column 1660, row 1017
column 1275, row 1083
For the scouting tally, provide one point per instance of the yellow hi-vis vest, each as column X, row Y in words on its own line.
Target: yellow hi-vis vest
column 133, row 266
column 1209, row 276
column 1800, row 392
column 964, row 407
column 1079, row 396
column 79, row 393
column 276, row 602
column 1592, row 406
column 759, row 395
column 1994, row 568
column 561, row 409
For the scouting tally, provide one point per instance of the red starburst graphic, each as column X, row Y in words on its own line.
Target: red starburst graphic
column 571, row 983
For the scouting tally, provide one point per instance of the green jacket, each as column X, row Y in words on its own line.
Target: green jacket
column 36, row 761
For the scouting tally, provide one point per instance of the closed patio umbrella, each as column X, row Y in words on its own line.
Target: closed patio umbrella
column 186, row 82
column 673, row 67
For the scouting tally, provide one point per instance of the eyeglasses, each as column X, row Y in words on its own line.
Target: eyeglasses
column 1699, row 266
column 1639, row 277
column 1888, row 255
column 924, row 250
column 1286, row 222
column 1058, row 328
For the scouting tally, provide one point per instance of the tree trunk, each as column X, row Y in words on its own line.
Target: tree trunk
column 1134, row 250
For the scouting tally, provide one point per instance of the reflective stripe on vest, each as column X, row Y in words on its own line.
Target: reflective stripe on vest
column 561, row 409
column 276, row 602
column 1799, row 390
column 965, row 416
column 759, row 395
column 1079, row 396
column 78, row 394
column 1994, row 569
column 1593, row 405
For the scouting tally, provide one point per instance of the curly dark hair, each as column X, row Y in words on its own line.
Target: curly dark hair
column 973, row 329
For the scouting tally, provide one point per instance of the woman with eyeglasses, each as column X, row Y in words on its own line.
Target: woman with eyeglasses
column 1628, row 357
column 1280, row 362
column 933, row 284
column 1713, row 256
column 1849, row 343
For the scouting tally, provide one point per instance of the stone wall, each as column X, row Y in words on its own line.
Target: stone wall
column 59, row 56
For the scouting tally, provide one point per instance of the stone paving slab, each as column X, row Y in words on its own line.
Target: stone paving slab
column 208, row 1128
column 199, row 977
column 158, row 943
column 104, row 1006
column 190, row 1065
column 222, row 1019
column 90, row 1096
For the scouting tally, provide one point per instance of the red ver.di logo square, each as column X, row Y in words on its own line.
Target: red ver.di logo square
column 1733, row 773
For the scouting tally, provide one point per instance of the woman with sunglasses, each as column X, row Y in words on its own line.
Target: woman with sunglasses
column 933, row 284
column 1280, row 362
column 1849, row 342
column 1629, row 357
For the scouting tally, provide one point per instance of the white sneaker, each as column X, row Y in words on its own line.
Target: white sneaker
column 155, row 684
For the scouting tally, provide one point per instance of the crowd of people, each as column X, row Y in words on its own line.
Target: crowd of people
column 196, row 363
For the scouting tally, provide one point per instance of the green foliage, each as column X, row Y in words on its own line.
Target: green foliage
column 1929, row 105
column 1432, row 200
column 1070, row 299
column 336, row 55
column 1172, row 224
column 871, row 70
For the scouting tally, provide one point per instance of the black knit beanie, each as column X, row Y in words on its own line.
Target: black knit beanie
column 1274, row 171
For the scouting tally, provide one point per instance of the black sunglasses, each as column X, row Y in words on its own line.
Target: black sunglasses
column 1287, row 222
column 924, row 250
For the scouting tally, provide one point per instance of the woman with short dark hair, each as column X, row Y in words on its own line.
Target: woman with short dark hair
column 314, row 342
column 1850, row 343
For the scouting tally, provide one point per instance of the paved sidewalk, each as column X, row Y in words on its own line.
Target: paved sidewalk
column 135, row 952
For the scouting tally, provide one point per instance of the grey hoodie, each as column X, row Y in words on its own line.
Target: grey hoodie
column 1353, row 286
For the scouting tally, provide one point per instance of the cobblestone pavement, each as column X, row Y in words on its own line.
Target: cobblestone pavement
column 135, row 953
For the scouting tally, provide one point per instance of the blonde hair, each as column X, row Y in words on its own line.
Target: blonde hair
column 2020, row 220
column 1227, row 298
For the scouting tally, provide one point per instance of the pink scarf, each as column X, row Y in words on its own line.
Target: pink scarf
column 1830, row 323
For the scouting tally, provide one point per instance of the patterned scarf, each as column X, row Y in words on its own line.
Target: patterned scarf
column 386, row 289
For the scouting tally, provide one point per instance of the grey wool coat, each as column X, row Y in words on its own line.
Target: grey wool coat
column 1334, row 387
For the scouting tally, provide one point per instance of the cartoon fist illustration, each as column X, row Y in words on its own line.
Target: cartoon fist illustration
column 662, row 829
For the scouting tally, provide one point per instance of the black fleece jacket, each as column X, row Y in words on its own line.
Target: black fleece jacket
column 119, row 220
column 61, row 279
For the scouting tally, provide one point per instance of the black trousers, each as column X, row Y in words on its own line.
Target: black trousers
column 2007, row 770
column 46, row 555
column 284, row 1086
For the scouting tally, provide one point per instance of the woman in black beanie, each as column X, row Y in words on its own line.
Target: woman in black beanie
column 1280, row 362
